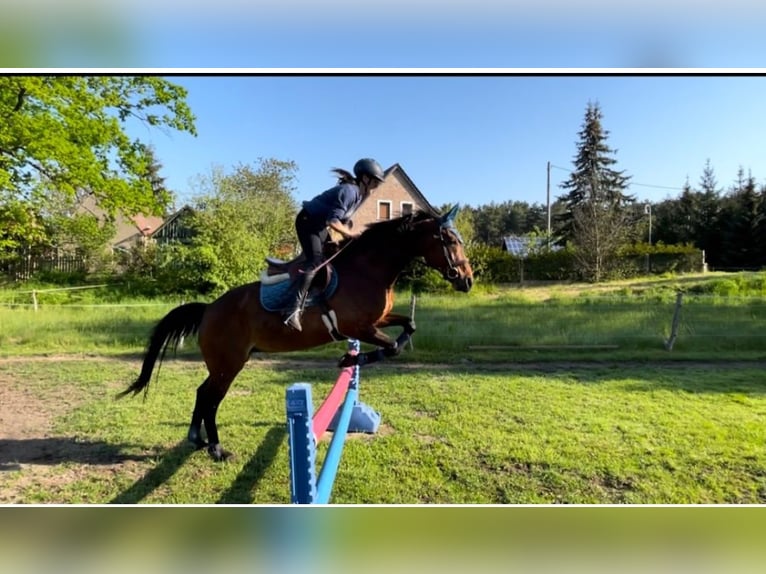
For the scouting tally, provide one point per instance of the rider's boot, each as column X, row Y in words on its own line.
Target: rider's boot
column 295, row 312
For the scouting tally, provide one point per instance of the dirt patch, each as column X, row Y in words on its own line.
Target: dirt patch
column 31, row 453
column 26, row 421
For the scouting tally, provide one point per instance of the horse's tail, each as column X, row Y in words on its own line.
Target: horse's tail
column 180, row 322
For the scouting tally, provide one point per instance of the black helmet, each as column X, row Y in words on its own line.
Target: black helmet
column 370, row 167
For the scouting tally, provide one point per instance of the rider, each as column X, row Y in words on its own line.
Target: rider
column 330, row 209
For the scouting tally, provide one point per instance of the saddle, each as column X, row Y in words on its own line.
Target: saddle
column 279, row 284
column 278, row 270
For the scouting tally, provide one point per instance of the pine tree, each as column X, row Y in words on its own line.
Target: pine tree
column 594, row 180
column 740, row 225
column 599, row 217
column 152, row 175
column 760, row 230
column 707, row 216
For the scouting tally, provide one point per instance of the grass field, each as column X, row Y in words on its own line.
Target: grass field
column 631, row 424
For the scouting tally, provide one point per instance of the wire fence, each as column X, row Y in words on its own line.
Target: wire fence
column 705, row 325
column 700, row 324
column 36, row 298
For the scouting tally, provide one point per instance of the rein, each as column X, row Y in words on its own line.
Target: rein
column 333, row 256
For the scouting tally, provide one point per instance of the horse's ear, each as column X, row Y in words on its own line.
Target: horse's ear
column 449, row 218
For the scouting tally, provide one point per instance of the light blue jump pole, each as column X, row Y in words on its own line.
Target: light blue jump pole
column 303, row 433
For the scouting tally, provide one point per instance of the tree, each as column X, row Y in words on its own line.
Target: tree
column 241, row 217
column 707, row 223
column 69, row 134
column 598, row 218
column 593, row 179
column 598, row 231
column 741, row 225
column 20, row 225
column 156, row 181
column 494, row 221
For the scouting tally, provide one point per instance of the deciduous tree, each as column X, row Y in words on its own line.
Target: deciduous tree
column 70, row 135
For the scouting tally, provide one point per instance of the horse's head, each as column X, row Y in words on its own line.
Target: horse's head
column 389, row 245
column 445, row 252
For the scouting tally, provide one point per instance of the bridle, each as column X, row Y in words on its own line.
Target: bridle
column 452, row 273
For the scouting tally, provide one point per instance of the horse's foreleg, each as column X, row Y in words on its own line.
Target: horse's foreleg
column 408, row 328
column 388, row 347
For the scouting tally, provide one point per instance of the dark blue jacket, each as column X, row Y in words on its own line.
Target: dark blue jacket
column 339, row 202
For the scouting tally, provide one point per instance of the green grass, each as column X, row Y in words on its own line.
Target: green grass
column 524, row 424
column 572, row 435
column 531, row 323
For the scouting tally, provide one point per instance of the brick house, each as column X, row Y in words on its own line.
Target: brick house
column 396, row 196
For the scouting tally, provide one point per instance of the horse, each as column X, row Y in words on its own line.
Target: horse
column 357, row 305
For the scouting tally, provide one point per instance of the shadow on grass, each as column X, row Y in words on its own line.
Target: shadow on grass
column 240, row 492
column 171, row 462
column 57, row 450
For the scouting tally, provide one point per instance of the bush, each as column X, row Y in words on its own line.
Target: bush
column 660, row 259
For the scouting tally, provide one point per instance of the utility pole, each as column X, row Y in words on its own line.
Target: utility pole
column 548, row 201
column 648, row 211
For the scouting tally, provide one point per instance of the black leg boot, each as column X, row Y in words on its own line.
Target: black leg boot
column 295, row 313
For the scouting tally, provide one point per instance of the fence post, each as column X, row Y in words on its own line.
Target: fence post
column 34, row 299
column 676, row 320
column 181, row 339
column 413, row 300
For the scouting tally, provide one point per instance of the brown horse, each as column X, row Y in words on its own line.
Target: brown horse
column 238, row 323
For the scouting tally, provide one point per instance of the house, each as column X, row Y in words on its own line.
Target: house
column 176, row 228
column 397, row 195
column 129, row 230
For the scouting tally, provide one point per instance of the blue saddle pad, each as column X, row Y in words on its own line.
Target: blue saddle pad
column 278, row 296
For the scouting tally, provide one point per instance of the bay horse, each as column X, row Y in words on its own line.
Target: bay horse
column 239, row 323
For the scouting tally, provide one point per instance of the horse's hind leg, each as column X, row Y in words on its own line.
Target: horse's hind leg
column 195, row 428
column 209, row 396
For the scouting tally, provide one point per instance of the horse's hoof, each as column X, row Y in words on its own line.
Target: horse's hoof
column 348, row 360
column 197, row 441
column 218, row 454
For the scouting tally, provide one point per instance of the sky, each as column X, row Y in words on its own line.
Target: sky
column 471, row 139
column 383, row 33
column 462, row 138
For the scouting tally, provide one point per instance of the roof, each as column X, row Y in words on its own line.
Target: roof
column 146, row 224
column 411, row 185
column 171, row 218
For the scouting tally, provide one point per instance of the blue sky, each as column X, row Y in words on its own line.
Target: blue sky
column 471, row 139
column 461, row 139
column 387, row 33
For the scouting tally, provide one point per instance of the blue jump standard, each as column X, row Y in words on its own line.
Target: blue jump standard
column 352, row 416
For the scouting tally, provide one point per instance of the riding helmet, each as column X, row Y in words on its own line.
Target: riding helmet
column 370, row 167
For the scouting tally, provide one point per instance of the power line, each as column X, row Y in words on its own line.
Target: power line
column 630, row 183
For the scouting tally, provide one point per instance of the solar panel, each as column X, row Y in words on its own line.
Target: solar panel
column 520, row 246
column 515, row 245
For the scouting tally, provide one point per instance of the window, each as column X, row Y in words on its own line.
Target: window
column 406, row 207
column 384, row 210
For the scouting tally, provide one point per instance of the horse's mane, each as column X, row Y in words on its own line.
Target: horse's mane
column 379, row 232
